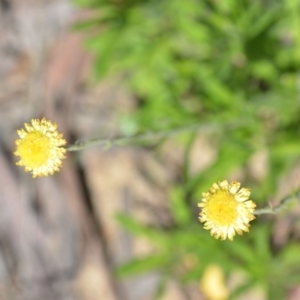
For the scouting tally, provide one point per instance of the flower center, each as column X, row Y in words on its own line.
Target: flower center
column 222, row 208
column 34, row 149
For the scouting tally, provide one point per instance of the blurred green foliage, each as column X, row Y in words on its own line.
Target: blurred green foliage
column 193, row 61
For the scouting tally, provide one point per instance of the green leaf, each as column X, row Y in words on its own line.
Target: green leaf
column 241, row 289
column 179, row 208
column 231, row 156
column 133, row 226
column 244, row 255
column 267, row 20
column 142, row 265
column 261, row 243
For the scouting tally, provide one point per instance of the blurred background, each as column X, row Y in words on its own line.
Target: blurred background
column 121, row 223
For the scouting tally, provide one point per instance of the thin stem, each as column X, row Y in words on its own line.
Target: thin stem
column 282, row 204
column 122, row 141
column 186, row 157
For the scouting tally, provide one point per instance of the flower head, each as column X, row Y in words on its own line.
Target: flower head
column 213, row 283
column 40, row 148
column 226, row 209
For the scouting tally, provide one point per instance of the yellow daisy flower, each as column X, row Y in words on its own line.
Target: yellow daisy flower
column 213, row 283
column 40, row 148
column 226, row 209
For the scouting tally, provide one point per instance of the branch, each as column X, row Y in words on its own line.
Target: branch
column 282, row 204
column 122, row 141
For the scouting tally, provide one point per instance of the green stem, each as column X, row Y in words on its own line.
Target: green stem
column 201, row 127
column 122, row 141
column 278, row 208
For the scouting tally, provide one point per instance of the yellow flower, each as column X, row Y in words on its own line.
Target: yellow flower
column 213, row 283
column 226, row 209
column 40, row 148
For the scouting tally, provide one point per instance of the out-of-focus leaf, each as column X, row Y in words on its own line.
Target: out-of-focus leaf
column 231, row 156
column 244, row 287
column 137, row 228
column 243, row 254
column 179, row 208
column 261, row 244
column 142, row 265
